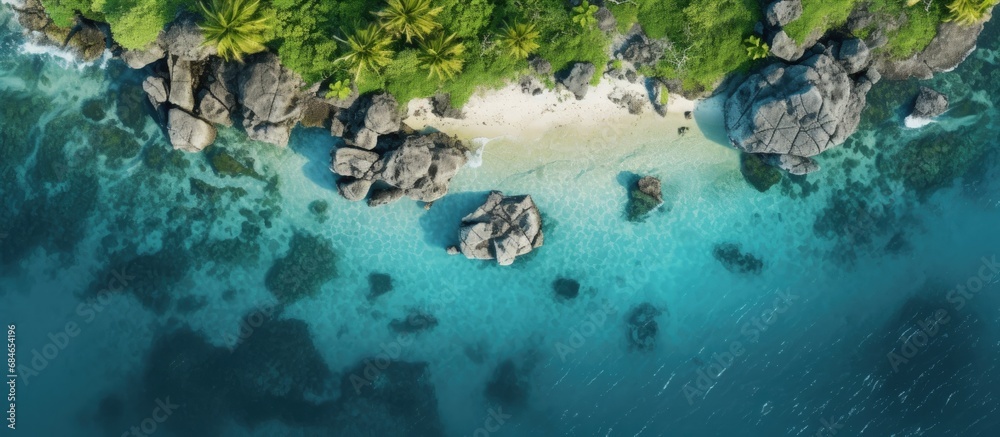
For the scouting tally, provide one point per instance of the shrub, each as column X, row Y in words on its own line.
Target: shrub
column 584, row 14
column 756, row 48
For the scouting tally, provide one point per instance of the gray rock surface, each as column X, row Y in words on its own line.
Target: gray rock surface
column 503, row 228
column 156, row 88
column 423, row 166
column 605, row 20
column 952, row 44
column 356, row 163
column 854, row 55
column 640, row 50
column 784, row 47
column 540, row 66
column 369, row 118
column 797, row 165
column 420, row 167
column 270, row 95
column 354, row 189
column 577, row 79
column 798, row 110
column 216, row 99
column 185, row 40
column 187, row 132
column 929, row 104
column 652, row 187
column 137, row 59
column 181, row 84
column 782, row 12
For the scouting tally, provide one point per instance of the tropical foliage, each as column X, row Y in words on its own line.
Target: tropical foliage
column 413, row 19
column 134, row 23
column 519, row 39
column 339, row 90
column 756, row 48
column 584, row 14
column 367, row 51
column 969, row 11
column 234, row 27
column 442, row 56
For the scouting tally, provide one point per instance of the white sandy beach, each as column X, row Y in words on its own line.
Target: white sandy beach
column 509, row 112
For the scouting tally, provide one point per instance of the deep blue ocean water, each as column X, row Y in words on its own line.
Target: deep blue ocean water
column 135, row 278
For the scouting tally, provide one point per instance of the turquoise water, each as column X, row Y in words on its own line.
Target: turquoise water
column 855, row 257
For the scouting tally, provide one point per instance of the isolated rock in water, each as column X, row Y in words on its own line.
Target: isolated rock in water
column 270, row 97
column 577, row 79
column 929, row 104
column 502, row 229
column 644, row 197
column 181, row 83
column 796, row 165
column 641, row 326
column 734, row 260
column 354, row 189
column 156, row 88
column 184, row 39
column 187, row 132
column 782, row 12
column 566, row 288
column 423, row 166
column 356, row 163
column 605, row 20
column 854, row 55
column 798, row 110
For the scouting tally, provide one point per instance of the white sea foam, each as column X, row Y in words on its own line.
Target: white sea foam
column 912, row 122
column 65, row 58
column 476, row 155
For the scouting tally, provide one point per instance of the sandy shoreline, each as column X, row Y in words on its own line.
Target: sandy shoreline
column 510, row 113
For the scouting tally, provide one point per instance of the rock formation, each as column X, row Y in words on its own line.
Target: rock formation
column 644, row 197
column 577, row 79
column 502, row 229
column 420, row 167
column 929, row 104
column 269, row 94
column 641, row 326
column 187, row 132
column 782, row 12
column 802, row 109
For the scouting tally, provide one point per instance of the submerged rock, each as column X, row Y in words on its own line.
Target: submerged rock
column 502, row 229
column 577, row 79
column 758, row 172
column 796, row 165
column 735, row 260
column 508, row 385
column 801, row 109
column 387, row 398
column 566, row 288
column 415, row 321
column 309, row 263
column 189, row 133
column 378, row 284
column 641, row 326
column 644, row 197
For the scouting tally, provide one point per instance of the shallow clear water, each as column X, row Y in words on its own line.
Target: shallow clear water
column 855, row 256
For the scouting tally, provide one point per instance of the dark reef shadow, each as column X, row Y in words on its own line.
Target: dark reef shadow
column 309, row 142
column 441, row 223
column 627, row 180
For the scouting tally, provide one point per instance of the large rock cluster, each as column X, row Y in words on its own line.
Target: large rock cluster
column 417, row 166
column 86, row 39
column 503, row 228
column 802, row 109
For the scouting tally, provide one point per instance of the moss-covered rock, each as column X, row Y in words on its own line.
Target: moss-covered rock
column 115, row 143
column 94, row 110
column 207, row 191
column 224, row 164
column 760, row 175
column 309, row 263
column 735, row 260
column 935, row 160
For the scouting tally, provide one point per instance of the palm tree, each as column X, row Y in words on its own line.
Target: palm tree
column 520, row 40
column 368, row 50
column 442, row 56
column 234, row 27
column 969, row 11
column 584, row 14
column 411, row 18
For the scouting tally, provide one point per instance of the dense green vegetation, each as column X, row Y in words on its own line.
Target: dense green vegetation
column 134, row 23
column 234, row 27
column 706, row 36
